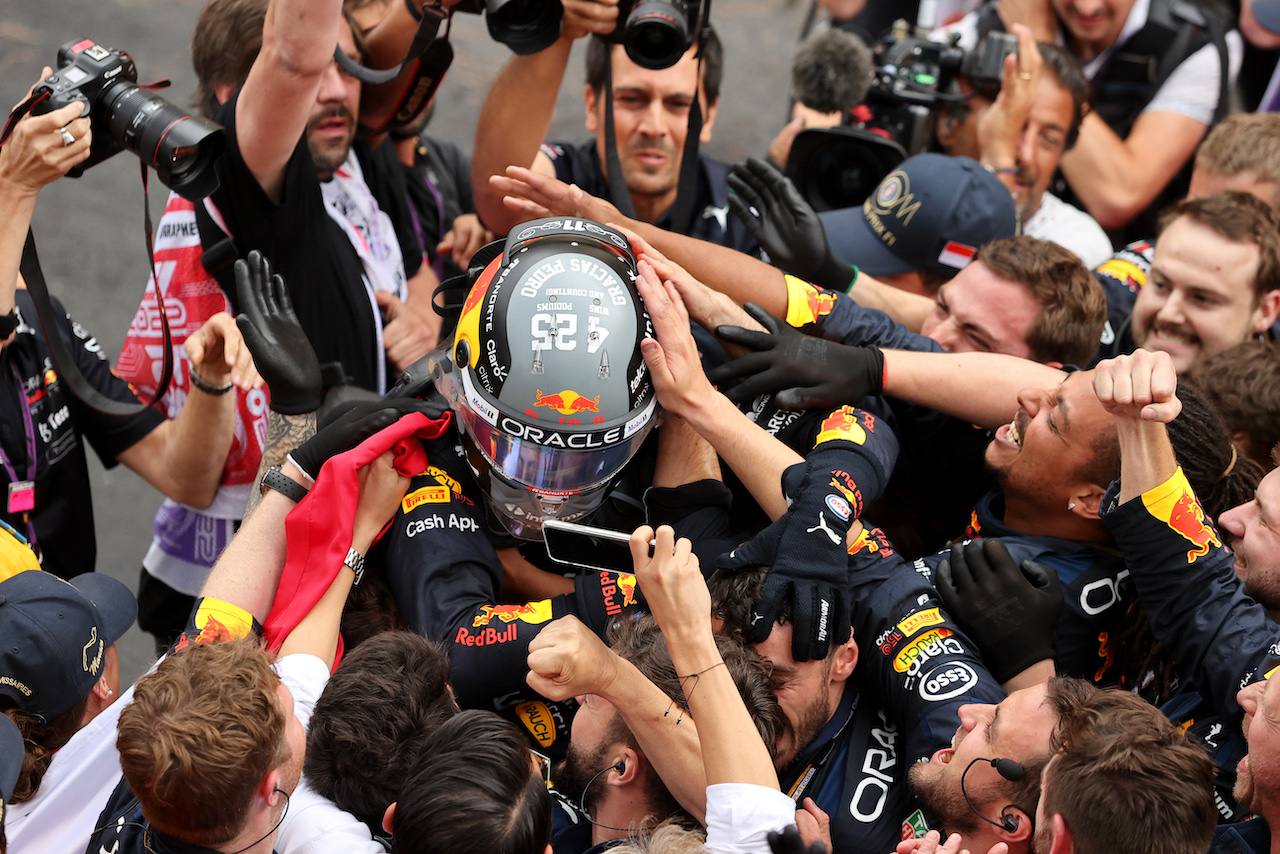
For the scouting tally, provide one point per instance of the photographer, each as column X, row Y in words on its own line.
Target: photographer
column 1020, row 126
column 42, row 423
column 650, row 110
column 1156, row 69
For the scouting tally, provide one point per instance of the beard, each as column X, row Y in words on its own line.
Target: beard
column 942, row 797
column 812, row 719
column 328, row 154
column 574, row 774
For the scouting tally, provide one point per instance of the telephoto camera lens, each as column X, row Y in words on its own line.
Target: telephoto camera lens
column 181, row 148
column 525, row 26
column 656, row 34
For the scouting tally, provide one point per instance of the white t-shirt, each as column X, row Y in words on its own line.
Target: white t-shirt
column 1070, row 228
column 1191, row 89
column 740, row 816
column 84, row 773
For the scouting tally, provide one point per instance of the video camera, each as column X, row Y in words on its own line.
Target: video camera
column 840, row 167
column 181, row 148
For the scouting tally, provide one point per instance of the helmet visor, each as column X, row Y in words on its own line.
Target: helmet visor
column 546, row 461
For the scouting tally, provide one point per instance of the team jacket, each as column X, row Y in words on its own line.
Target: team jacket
column 915, row 669
column 440, row 561
column 1219, row 637
column 1094, row 588
column 936, row 448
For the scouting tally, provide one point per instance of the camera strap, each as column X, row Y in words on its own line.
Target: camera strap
column 432, row 55
column 62, row 358
column 621, row 195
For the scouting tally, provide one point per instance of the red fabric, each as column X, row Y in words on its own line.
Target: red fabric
column 318, row 531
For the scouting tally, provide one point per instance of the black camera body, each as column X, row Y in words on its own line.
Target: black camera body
column 525, row 26
column 656, row 33
column 180, row 147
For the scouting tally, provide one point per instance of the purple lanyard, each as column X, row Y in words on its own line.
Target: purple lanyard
column 30, row 431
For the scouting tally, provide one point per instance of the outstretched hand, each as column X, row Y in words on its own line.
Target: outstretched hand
column 274, row 336
column 217, row 351
column 785, row 225
column 1142, row 385
column 672, row 355
column 803, row 371
column 535, row 195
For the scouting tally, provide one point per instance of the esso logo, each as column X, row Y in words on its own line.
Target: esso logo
column 947, row 681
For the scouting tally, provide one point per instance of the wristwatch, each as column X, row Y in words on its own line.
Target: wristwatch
column 354, row 561
column 283, row 484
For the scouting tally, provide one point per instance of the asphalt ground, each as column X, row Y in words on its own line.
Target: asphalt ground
column 90, row 230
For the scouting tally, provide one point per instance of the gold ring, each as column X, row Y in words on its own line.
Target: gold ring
column 1024, row 75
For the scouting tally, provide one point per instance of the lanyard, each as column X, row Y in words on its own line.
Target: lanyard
column 798, row 788
column 22, row 492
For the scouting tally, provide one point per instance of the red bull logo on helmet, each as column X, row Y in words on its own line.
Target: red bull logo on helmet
column 568, row 402
column 1176, row 505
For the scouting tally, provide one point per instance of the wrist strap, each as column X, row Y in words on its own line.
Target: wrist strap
column 205, row 386
column 413, row 10
column 9, row 322
column 283, row 484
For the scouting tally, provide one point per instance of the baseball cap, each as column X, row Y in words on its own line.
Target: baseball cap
column 931, row 213
column 1267, row 13
column 53, row 636
column 12, row 750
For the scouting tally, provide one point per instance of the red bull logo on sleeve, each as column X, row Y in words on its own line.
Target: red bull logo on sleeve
column 847, row 423
column 613, row 584
column 568, row 402
column 1176, row 505
column 533, row 613
column 807, row 303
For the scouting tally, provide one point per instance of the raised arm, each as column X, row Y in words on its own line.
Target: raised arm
column 517, row 111
column 981, row 388
column 1117, row 178
column 296, row 60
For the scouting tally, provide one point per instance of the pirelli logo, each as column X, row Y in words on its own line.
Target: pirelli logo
column 425, row 495
column 918, row 621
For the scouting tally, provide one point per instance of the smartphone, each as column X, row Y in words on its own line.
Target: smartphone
column 588, row 547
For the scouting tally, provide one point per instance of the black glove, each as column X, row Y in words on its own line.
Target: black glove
column 804, row 371
column 271, row 330
column 805, row 550
column 1010, row 611
column 789, row 842
column 785, row 225
column 352, row 427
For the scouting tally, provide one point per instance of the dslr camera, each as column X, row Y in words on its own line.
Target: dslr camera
column 656, row 33
column 181, row 148
column 525, row 26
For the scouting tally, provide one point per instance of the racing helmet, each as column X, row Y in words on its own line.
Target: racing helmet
column 545, row 374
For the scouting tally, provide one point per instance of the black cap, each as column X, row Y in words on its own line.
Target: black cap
column 12, row 750
column 54, row 635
